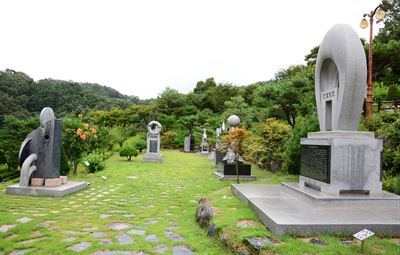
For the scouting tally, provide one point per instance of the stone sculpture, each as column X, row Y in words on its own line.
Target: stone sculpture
column 153, row 142
column 204, row 143
column 339, row 159
column 40, row 152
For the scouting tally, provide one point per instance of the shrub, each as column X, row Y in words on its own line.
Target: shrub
column 168, row 140
column 140, row 145
column 266, row 145
column 291, row 156
column 128, row 151
column 94, row 162
column 386, row 126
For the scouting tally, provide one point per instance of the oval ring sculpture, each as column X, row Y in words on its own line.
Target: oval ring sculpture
column 154, row 127
column 340, row 79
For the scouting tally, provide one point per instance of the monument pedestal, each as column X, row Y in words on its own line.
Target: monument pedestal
column 227, row 172
column 153, row 157
column 341, row 162
column 59, row 191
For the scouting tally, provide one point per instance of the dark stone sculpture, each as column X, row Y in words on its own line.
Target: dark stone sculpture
column 40, row 152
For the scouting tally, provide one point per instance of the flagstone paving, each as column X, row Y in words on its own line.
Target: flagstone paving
column 140, row 208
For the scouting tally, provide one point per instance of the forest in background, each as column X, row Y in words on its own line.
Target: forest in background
column 277, row 113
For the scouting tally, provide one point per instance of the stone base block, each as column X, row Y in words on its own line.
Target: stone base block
column 223, row 177
column 286, row 213
column 64, row 179
column 37, row 182
column 342, row 162
column 52, row 182
column 59, row 191
column 226, row 169
column 154, row 158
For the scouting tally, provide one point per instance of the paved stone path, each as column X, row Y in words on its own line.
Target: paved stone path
column 135, row 212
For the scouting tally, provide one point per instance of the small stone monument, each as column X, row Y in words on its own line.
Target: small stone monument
column 39, row 158
column 204, row 144
column 219, row 154
column 227, row 167
column 189, row 143
column 153, row 143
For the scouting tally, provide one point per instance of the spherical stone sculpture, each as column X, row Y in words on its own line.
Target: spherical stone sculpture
column 233, row 121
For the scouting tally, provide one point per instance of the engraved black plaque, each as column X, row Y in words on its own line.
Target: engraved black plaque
column 316, row 162
column 153, row 146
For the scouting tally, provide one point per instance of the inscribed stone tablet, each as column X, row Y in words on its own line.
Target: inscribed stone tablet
column 315, row 162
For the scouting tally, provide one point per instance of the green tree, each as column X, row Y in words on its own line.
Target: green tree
column 266, row 146
column 128, row 151
column 77, row 140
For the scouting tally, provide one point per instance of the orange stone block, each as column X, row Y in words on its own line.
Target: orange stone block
column 37, row 182
column 64, row 179
column 52, row 182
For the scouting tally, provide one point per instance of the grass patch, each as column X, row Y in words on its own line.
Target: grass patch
column 162, row 198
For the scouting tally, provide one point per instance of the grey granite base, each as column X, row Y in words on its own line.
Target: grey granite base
column 60, row 191
column 152, row 157
column 287, row 211
column 223, row 177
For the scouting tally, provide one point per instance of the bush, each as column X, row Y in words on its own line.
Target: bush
column 386, row 126
column 94, row 162
column 128, row 151
column 266, row 145
column 291, row 157
column 140, row 145
column 168, row 140
column 391, row 183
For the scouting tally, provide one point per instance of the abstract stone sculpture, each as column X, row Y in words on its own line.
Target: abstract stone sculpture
column 39, row 158
column 153, row 142
column 39, row 155
column 340, row 78
column 339, row 159
column 204, row 144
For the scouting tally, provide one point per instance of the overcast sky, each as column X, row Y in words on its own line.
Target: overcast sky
column 141, row 47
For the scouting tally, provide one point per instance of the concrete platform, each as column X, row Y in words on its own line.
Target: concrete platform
column 60, row 191
column 284, row 211
column 223, row 177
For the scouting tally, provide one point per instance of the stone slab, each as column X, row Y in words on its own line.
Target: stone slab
column 223, row 177
column 60, row 191
column 152, row 157
column 283, row 213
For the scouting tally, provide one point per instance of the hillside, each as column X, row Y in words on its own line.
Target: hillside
column 22, row 97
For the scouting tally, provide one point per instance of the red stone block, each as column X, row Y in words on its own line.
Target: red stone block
column 37, row 182
column 52, row 182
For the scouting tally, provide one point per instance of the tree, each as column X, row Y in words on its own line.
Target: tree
column 170, row 100
column 78, row 139
column 128, row 151
column 391, row 30
column 290, row 95
column 202, row 87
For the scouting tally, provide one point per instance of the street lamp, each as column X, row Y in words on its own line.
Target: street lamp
column 379, row 14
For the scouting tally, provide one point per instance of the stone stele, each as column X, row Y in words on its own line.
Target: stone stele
column 153, row 143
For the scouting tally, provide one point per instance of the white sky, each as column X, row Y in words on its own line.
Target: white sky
column 141, row 47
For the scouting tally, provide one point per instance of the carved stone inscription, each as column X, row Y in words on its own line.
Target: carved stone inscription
column 316, row 162
column 153, row 146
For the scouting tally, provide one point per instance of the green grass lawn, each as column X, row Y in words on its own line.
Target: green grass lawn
column 155, row 200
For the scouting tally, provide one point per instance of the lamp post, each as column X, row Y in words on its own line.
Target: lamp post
column 379, row 14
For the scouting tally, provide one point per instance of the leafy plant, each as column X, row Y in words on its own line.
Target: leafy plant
column 291, row 157
column 128, row 151
column 94, row 162
column 266, row 146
